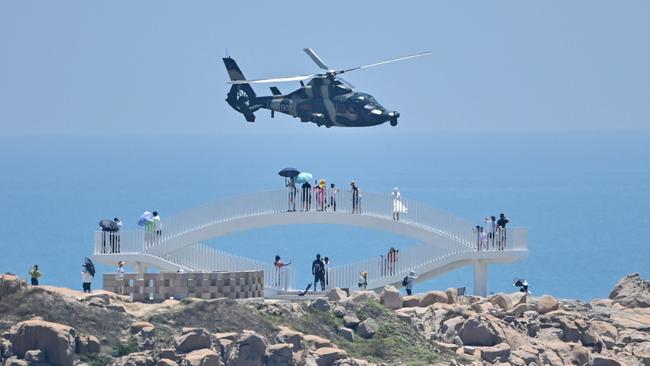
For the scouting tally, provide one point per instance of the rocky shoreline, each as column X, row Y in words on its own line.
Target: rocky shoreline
column 45, row 325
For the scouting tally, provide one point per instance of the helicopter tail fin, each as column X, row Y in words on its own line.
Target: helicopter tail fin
column 241, row 97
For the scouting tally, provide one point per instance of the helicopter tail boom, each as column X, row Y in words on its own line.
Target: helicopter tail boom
column 241, row 97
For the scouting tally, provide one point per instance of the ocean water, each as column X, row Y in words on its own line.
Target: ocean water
column 584, row 196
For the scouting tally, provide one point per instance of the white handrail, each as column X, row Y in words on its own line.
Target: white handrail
column 451, row 235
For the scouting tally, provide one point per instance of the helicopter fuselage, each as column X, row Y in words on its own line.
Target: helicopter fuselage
column 328, row 102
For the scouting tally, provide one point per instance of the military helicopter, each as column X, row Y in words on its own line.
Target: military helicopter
column 326, row 100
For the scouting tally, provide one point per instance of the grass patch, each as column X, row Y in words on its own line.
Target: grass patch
column 96, row 359
column 125, row 348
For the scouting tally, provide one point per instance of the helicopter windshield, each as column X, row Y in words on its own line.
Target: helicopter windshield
column 366, row 101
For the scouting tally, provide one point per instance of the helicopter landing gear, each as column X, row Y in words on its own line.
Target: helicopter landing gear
column 393, row 122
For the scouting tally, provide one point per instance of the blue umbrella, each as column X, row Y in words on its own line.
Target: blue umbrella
column 304, row 177
column 145, row 218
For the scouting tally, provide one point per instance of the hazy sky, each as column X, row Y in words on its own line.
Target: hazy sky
column 86, row 67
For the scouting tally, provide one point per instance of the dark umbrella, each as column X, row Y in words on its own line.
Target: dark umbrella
column 90, row 267
column 108, row 225
column 289, row 172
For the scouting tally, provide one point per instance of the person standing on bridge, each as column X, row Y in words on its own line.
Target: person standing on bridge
column 355, row 197
column 501, row 229
column 326, row 267
column 306, row 196
column 291, row 184
column 398, row 206
column 157, row 225
column 279, row 264
column 318, row 270
column 333, row 192
column 491, row 229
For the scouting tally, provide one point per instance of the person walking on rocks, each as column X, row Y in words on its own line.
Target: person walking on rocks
column 86, row 279
column 35, row 274
column 318, row 270
column 408, row 282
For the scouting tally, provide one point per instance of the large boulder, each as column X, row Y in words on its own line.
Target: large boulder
column 346, row 333
column 478, row 332
column 202, row 357
column 326, row 356
column 9, row 284
column 433, row 297
column 410, row 301
column 364, row 295
column 141, row 327
column 391, row 297
column 632, row 291
column 136, row 359
column 58, row 341
column 192, row 339
column 351, row 321
column 368, row 328
column 286, row 335
column 317, row 341
column 320, row 304
column 249, row 350
column 501, row 351
column 87, row 344
column 336, row 294
column 508, row 301
column 6, row 350
column 452, row 295
column 600, row 360
column 280, row 354
column 546, row 304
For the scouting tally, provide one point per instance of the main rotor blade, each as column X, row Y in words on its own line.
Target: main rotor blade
column 316, row 59
column 272, row 80
column 384, row 62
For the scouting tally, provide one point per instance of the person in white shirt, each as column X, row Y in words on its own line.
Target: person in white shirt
column 86, row 278
column 398, row 206
column 157, row 225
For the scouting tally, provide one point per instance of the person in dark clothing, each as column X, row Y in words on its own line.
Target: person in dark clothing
column 306, row 196
column 501, row 231
column 318, row 270
column 355, row 197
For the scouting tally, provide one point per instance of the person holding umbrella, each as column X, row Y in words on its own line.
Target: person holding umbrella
column 290, row 175
column 146, row 220
column 87, row 274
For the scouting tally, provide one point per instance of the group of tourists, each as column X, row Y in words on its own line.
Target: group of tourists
column 493, row 235
column 322, row 197
column 110, row 231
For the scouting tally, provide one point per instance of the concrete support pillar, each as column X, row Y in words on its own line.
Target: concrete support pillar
column 140, row 269
column 480, row 278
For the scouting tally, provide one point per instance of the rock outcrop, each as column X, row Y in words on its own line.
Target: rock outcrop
column 58, row 341
column 632, row 291
column 391, row 298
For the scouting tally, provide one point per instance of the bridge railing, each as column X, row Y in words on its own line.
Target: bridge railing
column 370, row 204
column 200, row 257
column 414, row 258
column 119, row 242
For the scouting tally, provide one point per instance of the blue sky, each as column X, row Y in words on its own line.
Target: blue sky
column 147, row 67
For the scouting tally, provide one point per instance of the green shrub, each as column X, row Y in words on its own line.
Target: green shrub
column 125, row 348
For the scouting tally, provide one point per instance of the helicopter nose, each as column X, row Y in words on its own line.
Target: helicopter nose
column 393, row 114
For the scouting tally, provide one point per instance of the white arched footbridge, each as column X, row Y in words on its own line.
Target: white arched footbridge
column 446, row 242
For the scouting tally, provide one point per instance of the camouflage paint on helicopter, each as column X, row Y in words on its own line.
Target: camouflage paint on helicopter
column 326, row 100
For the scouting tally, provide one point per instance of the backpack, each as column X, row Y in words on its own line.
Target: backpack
column 405, row 281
